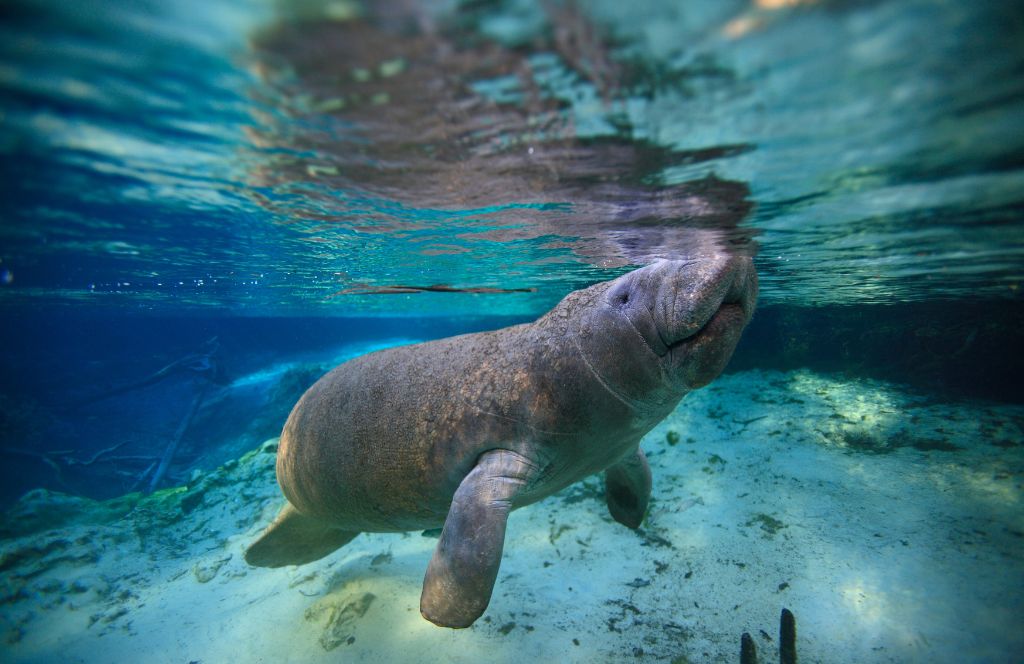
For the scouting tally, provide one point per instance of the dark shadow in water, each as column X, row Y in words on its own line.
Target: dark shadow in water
column 400, row 289
column 393, row 109
column 951, row 349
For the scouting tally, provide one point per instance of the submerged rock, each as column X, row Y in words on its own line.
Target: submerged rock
column 49, row 537
column 40, row 510
column 338, row 615
column 206, row 571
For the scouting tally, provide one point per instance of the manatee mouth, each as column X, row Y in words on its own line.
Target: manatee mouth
column 728, row 315
column 702, row 356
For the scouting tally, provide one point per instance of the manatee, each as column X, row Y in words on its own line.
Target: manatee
column 460, row 431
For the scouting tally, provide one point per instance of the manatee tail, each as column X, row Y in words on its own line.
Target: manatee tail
column 294, row 539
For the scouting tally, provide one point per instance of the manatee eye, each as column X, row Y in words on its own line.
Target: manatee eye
column 623, row 298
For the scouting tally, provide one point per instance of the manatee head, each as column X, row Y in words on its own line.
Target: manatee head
column 689, row 313
column 656, row 333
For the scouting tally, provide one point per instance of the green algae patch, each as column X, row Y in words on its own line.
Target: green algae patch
column 163, row 499
column 768, row 524
column 40, row 510
column 868, row 443
column 393, row 67
column 714, row 461
column 859, row 441
column 934, row 445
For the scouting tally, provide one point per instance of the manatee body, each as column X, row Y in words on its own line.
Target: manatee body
column 460, row 431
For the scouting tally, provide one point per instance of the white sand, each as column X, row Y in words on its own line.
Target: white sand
column 773, row 497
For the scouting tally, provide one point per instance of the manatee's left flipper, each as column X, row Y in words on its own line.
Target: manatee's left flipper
column 627, row 489
column 460, row 577
column 296, row 539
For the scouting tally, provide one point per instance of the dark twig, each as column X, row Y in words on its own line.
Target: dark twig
column 748, row 651
column 787, row 638
column 95, row 457
column 787, row 641
column 131, row 458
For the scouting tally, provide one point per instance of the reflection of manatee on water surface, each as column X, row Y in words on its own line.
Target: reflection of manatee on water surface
column 423, row 115
column 462, row 430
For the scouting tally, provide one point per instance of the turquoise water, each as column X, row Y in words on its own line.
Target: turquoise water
column 207, row 205
column 221, row 157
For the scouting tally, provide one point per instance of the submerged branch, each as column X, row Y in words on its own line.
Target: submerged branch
column 201, row 362
column 178, row 435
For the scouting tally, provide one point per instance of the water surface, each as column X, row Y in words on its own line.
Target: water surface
column 307, row 159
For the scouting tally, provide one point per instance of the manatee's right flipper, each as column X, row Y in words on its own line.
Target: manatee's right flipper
column 294, row 539
column 627, row 489
column 460, row 577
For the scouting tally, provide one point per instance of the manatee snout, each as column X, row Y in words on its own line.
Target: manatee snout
column 690, row 293
column 712, row 302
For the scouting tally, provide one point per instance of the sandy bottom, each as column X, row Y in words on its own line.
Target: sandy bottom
column 889, row 523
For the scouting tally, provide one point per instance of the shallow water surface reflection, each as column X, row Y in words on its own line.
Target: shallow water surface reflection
column 306, row 157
